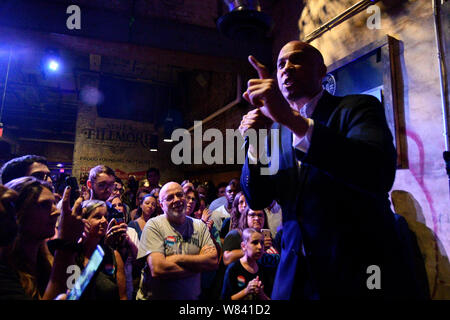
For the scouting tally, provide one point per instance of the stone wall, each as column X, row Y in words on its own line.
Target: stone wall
column 420, row 192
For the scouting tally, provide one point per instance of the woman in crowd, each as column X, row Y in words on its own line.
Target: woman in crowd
column 8, row 226
column 186, row 185
column 28, row 270
column 237, row 210
column 109, row 281
column 146, row 210
column 155, row 193
column 192, row 203
column 134, row 214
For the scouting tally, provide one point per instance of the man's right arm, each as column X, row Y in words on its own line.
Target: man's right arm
column 151, row 246
column 232, row 255
column 232, row 247
column 163, row 268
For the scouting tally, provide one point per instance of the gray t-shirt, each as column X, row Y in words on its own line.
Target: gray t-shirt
column 160, row 236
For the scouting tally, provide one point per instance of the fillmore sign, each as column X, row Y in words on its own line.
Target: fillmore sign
column 118, row 135
column 123, row 145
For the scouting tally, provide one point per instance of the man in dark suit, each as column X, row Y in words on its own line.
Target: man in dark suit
column 337, row 163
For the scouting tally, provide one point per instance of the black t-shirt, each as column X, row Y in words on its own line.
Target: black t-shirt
column 237, row 278
column 10, row 287
column 225, row 228
column 268, row 262
column 232, row 241
column 103, row 285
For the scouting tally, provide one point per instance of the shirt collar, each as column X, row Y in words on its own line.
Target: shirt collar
column 308, row 108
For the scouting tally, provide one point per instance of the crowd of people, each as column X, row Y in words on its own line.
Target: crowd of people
column 169, row 243
column 320, row 226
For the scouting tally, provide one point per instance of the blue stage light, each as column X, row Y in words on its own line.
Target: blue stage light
column 53, row 65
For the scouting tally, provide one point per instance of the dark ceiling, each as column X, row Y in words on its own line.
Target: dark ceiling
column 165, row 43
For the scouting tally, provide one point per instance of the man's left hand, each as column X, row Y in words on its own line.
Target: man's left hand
column 264, row 94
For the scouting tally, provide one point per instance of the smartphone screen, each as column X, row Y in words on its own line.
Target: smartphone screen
column 86, row 275
column 266, row 233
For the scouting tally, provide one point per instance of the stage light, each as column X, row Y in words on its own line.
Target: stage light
column 154, row 143
column 168, row 128
column 167, row 135
column 53, row 65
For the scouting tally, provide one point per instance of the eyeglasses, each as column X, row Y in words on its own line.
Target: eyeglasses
column 105, row 186
column 171, row 197
column 41, row 175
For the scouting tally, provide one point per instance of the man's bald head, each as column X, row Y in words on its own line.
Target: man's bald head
column 173, row 202
column 305, row 47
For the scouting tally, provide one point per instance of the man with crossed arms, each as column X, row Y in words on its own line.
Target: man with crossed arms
column 177, row 249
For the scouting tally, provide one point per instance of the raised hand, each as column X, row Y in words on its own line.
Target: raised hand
column 255, row 119
column 206, row 215
column 264, row 94
column 71, row 225
column 116, row 234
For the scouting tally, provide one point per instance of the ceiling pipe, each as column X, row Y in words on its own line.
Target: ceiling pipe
column 350, row 12
column 237, row 100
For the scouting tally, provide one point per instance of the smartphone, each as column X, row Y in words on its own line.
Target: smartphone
column 86, row 276
column 74, row 189
column 266, row 233
column 115, row 214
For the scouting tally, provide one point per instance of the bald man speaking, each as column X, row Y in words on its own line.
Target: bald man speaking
column 337, row 164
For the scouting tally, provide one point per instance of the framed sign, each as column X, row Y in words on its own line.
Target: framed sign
column 375, row 70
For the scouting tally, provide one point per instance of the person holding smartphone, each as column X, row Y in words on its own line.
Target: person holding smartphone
column 109, row 282
column 101, row 184
column 26, row 270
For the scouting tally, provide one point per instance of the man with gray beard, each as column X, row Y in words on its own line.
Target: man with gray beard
column 177, row 248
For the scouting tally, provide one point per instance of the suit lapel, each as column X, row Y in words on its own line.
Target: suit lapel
column 325, row 108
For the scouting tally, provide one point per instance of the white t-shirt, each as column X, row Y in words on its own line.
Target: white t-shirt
column 274, row 218
column 218, row 216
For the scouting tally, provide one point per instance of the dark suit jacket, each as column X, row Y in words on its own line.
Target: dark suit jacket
column 336, row 213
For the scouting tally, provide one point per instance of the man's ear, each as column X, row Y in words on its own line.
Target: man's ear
column 89, row 184
column 243, row 246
